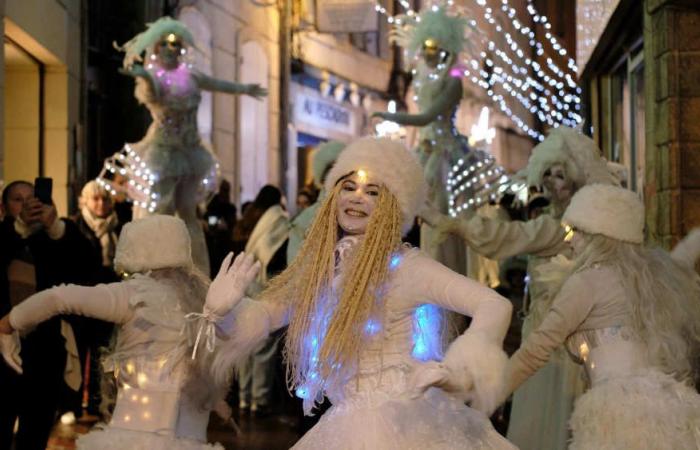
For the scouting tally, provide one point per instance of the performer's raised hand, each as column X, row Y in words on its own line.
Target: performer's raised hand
column 255, row 90
column 230, row 284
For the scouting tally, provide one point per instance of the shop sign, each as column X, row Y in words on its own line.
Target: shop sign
column 324, row 114
column 346, row 16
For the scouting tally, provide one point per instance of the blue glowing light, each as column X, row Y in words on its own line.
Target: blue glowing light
column 372, row 327
column 302, row 393
column 427, row 324
column 395, row 261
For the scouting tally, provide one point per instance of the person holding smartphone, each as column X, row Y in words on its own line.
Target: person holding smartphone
column 39, row 250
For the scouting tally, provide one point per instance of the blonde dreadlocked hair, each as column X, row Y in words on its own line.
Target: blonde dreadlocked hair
column 307, row 283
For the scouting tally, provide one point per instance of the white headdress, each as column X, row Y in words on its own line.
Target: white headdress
column 154, row 242
column 578, row 153
column 389, row 163
column 608, row 210
column 145, row 40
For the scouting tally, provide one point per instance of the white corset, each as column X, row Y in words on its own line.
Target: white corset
column 151, row 399
column 606, row 353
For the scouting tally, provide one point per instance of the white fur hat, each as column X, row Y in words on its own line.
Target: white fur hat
column 154, row 242
column 578, row 153
column 391, row 164
column 608, row 210
column 324, row 156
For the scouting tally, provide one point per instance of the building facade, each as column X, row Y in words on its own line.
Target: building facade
column 40, row 85
column 643, row 104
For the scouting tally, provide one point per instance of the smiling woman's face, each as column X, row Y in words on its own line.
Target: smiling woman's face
column 356, row 202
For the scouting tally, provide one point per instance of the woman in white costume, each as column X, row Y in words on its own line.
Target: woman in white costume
column 631, row 316
column 563, row 163
column 363, row 328
column 164, row 397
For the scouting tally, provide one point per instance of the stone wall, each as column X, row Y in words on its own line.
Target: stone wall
column 672, row 57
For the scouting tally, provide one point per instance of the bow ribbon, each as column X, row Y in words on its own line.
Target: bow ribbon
column 207, row 327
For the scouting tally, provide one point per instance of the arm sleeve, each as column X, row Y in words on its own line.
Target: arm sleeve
column 109, row 302
column 490, row 312
column 475, row 361
column 498, row 239
column 439, row 105
column 569, row 310
column 245, row 327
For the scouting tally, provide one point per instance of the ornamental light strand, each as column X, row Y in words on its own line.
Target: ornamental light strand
column 555, row 100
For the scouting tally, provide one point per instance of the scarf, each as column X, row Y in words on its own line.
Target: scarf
column 104, row 231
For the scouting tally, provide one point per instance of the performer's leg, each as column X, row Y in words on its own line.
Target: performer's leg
column 166, row 189
column 186, row 206
column 263, row 372
column 244, row 372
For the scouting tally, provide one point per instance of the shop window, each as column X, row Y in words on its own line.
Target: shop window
column 620, row 111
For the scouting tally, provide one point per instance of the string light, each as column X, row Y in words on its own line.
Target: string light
column 127, row 171
column 472, row 183
column 551, row 104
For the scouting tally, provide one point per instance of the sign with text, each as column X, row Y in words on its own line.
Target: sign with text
column 323, row 117
column 346, row 16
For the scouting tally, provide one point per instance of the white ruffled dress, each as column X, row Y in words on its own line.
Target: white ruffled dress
column 631, row 404
column 375, row 408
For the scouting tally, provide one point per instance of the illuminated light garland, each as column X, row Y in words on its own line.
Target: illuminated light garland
column 566, row 104
column 513, row 46
column 473, row 184
column 138, row 178
column 538, row 18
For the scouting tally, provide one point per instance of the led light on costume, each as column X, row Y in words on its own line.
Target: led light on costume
column 126, row 172
column 427, row 333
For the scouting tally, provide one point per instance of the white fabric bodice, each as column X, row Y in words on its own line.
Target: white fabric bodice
column 151, row 399
column 150, row 360
column 608, row 353
column 411, row 329
column 174, row 107
column 150, row 363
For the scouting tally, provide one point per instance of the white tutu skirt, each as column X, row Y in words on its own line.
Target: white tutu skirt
column 650, row 411
column 433, row 421
column 119, row 439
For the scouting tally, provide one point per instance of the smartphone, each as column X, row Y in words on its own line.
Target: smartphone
column 42, row 189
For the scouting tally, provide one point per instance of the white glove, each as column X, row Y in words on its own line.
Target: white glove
column 432, row 374
column 230, row 284
column 10, row 346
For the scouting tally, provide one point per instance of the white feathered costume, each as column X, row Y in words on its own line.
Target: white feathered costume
column 376, row 405
column 636, row 401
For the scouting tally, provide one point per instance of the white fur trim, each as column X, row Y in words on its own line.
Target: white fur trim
column 646, row 410
column 247, row 326
column 154, row 242
column 478, row 367
column 578, row 153
column 687, row 251
column 391, row 164
column 324, row 156
column 608, row 210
